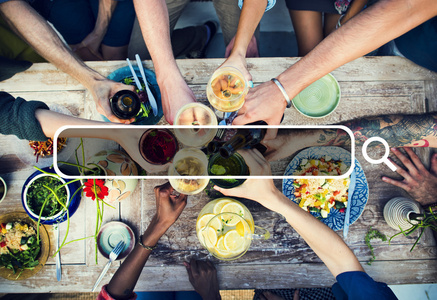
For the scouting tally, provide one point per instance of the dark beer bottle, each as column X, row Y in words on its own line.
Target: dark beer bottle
column 125, row 104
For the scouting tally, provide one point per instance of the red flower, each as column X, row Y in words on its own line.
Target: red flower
column 100, row 190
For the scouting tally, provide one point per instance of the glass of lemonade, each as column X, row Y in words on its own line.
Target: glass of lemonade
column 189, row 162
column 225, row 228
column 195, row 114
column 227, row 89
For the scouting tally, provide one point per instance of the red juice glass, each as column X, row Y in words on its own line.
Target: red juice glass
column 158, row 146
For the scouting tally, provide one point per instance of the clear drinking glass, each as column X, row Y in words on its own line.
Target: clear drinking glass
column 189, row 162
column 195, row 114
column 227, row 89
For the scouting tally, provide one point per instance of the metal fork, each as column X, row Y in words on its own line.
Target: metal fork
column 112, row 256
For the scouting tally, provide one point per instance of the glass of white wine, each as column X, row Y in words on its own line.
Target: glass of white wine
column 189, row 162
column 226, row 90
column 195, row 115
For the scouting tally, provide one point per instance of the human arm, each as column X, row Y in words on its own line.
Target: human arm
column 397, row 130
column 370, row 29
column 93, row 40
column 328, row 246
column 154, row 22
column 250, row 17
column 27, row 23
column 168, row 209
column 203, row 277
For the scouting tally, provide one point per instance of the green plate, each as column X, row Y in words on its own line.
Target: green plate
column 319, row 99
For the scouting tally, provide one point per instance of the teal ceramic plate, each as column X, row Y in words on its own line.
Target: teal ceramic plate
column 113, row 232
column 319, row 99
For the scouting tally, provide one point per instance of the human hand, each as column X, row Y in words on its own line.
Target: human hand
column 238, row 62
column 168, row 206
column 420, row 183
column 280, row 146
column 175, row 93
column 128, row 139
column 262, row 191
column 93, row 42
column 203, row 277
column 252, row 48
column 289, row 141
column 102, row 90
column 263, row 103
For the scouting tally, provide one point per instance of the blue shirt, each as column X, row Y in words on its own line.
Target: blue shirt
column 420, row 44
column 358, row 285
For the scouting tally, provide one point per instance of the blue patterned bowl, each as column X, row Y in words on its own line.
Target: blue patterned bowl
column 335, row 219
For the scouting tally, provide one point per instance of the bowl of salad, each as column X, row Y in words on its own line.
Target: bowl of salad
column 326, row 198
column 47, row 196
column 145, row 116
column 24, row 248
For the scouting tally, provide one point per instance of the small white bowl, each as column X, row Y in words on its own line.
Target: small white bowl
column 5, row 189
column 51, row 219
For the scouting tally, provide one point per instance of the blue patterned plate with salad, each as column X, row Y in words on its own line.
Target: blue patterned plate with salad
column 124, row 75
column 335, row 218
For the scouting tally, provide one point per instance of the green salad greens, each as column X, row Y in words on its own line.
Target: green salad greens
column 145, row 105
column 24, row 258
column 39, row 197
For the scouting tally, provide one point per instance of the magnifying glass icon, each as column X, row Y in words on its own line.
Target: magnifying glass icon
column 384, row 158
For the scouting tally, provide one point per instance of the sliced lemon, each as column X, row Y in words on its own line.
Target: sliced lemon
column 200, row 236
column 203, row 220
column 234, row 242
column 240, row 228
column 233, row 207
column 219, row 205
column 221, row 245
column 209, row 237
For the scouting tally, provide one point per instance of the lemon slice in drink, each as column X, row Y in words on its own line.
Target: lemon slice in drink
column 240, row 228
column 220, row 247
column 233, row 241
column 233, row 207
column 203, row 221
column 219, row 205
column 208, row 237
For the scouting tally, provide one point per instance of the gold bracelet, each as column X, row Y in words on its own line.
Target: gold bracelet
column 140, row 242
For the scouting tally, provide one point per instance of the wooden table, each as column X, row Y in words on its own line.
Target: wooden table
column 369, row 86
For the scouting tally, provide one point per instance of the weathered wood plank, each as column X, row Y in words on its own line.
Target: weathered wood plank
column 230, row 276
column 431, row 94
column 198, row 71
column 74, row 101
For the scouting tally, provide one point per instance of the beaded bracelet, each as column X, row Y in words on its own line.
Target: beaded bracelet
column 140, row 242
column 284, row 93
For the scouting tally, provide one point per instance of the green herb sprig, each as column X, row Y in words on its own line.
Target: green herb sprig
column 370, row 235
